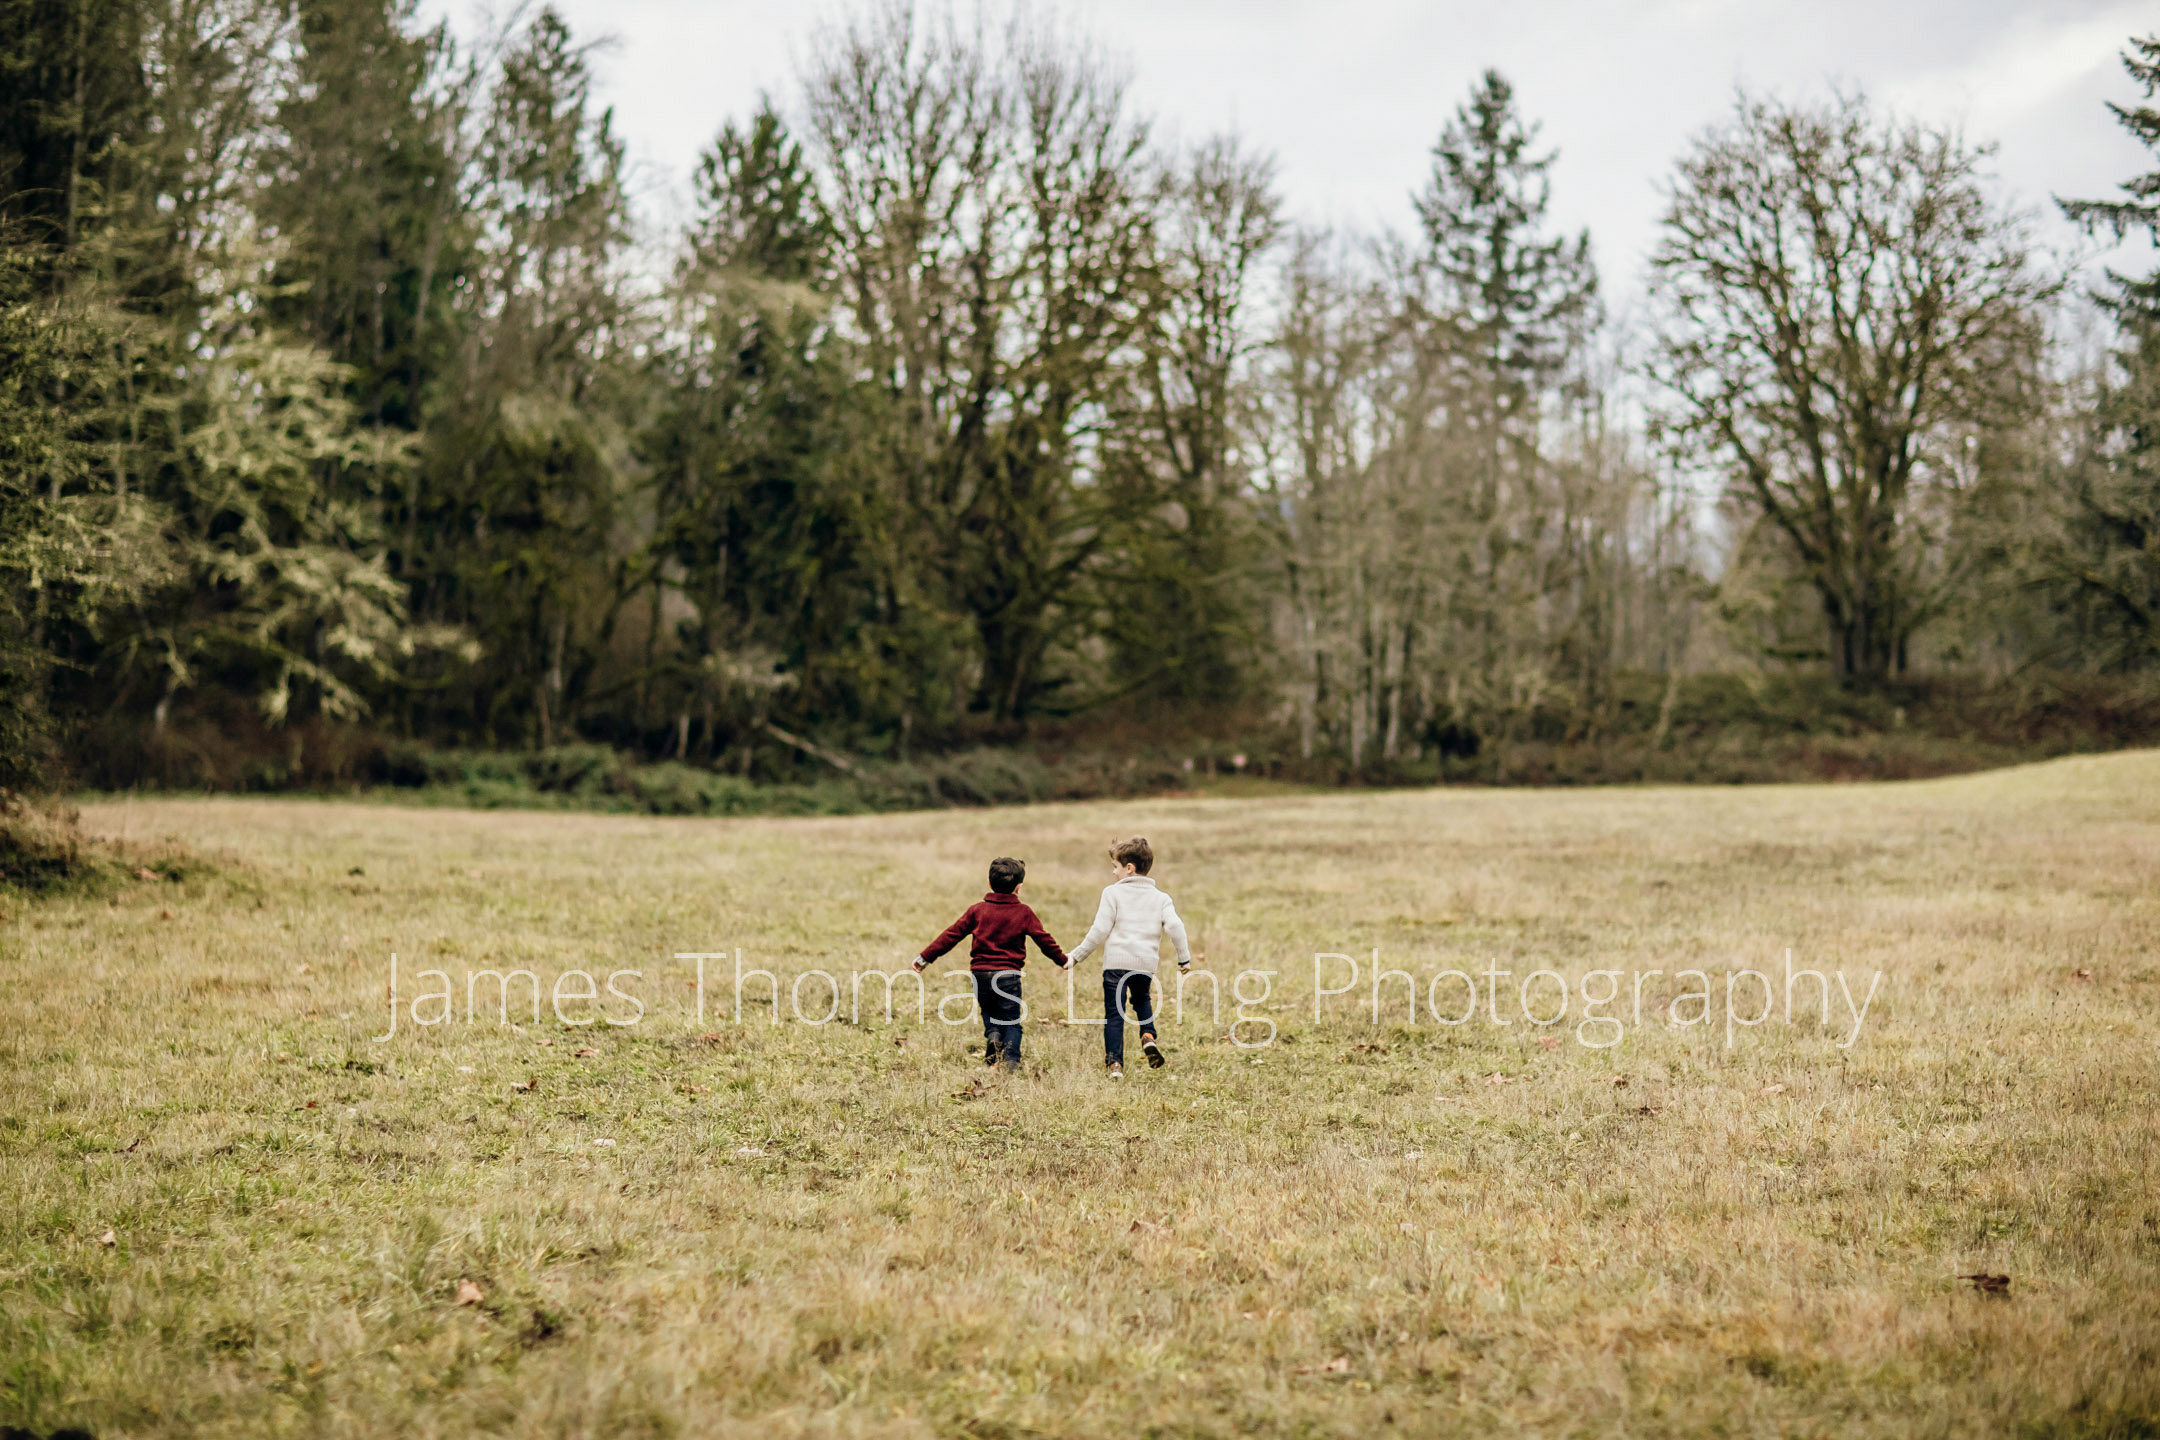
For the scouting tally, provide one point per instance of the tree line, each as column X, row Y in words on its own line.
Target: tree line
column 338, row 383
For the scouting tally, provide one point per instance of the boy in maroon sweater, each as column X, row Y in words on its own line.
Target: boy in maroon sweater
column 1002, row 925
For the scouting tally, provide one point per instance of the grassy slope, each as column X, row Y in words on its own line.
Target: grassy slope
column 1539, row 1255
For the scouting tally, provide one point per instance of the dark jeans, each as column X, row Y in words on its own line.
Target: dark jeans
column 997, row 995
column 1119, row 986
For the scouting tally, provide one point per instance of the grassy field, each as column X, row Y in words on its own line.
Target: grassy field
column 225, row 1211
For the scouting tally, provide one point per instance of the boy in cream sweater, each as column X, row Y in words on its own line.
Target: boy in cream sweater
column 1129, row 926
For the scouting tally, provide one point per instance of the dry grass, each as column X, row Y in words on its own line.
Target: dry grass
column 1361, row 1231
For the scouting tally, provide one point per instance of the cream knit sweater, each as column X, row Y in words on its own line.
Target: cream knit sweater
column 1129, row 926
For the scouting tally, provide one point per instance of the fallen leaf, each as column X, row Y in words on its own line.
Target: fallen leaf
column 2081, row 974
column 164, row 914
column 694, row 1089
column 144, row 872
column 712, row 1037
column 1413, row 1154
column 1648, row 1109
column 108, row 1238
column 1148, row 1227
column 750, row 1151
column 1619, row 1082
column 468, row 1293
column 521, row 1086
column 302, row 968
column 283, row 1057
column 543, row 1040
column 602, row 1140
column 356, row 870
column 1496, row 1078
column 1997, row 1286
column 464, row 1069
column 1778, row 1089
column 1549, row 1042
column 1338, row 1366
column 585, row 1052
column 310, row 1105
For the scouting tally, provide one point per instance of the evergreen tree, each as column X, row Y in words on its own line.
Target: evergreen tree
column 526, row 464
column 1496, row 312
column 365, row 193
column 1517, row 302
column 762, row 525
column 2139, row 209
column 69, row 553
column 2102, row 556
column 77, row 95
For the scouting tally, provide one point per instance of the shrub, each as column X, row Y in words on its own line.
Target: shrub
column 41, row 846
column 573, row 769
column 43, row 849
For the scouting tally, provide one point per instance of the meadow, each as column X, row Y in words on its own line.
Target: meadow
column 227, row 1210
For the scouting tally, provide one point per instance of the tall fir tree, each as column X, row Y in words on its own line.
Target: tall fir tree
column 762, row 526
column 366, row 194
column 2103, row 557
column 1518, row 300
column 526, row 459
column 2138, row 208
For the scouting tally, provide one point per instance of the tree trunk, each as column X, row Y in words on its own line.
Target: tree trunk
column 1862, row 639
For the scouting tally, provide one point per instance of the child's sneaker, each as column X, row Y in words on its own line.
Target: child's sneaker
column 1117, row 1071
column 992, row 1053
column 1154, row 1052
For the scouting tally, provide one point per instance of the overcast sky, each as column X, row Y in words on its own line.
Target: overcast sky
column 1349, row 94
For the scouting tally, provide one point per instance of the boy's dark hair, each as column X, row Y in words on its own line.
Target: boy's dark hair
column 1135, row 852
column 1006, row 874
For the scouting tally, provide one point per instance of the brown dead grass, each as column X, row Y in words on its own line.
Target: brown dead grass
column 1359, row 1232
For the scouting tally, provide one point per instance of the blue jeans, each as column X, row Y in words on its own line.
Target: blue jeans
column 997, row 995
column 1119, row 986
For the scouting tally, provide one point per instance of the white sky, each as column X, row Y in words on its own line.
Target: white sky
column 1349, row 94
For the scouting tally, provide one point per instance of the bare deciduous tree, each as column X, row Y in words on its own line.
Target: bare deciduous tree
column 1842, row 309
column 995, row 223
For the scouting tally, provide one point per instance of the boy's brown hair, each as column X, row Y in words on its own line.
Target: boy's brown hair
column 1135, row 852
column 1006, row 874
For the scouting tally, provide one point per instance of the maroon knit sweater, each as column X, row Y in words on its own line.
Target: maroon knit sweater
column 1002, row 925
